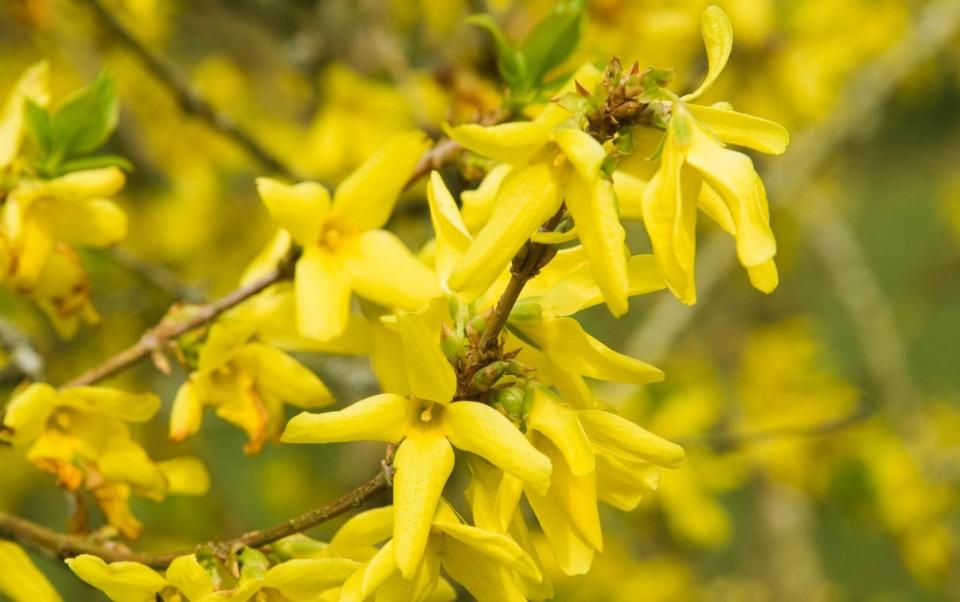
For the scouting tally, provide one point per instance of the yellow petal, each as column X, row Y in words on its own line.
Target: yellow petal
column 479, row 429
column 764, row 276
column 364, row 200
column 283, row 378
column 452, row 236
column 323, row 295
column 120, row 581
column 495, row 546
column 594, row 210
column 385, row 417
column 383, row 270
column 390, row 373
column 620, row 437
column 565, row 343
column 714, row 206
column 267, row 260
column 429, row 373
column 107, row 401
column 225, row 338
column 185, row 476
column 574, row 554
column 559, row 424
column 583, row 151
column 188, row 576
column 365, row 529
column 186, row 414
column 86, row 184
column 478, row 204
column 300, row 209
column 124, row 461
column 575, row 495
column 484, row 578
column 32, row 84
column 303, row 578
column 579, row 289
column 513, row 142
column 444, row 592
column 732, row 175
column 623, row 483
column 423, row 463
column 20, row 580
column 397, row 589
column 88, row 223
column 528, row 197
column 742, row 129
column 25, row 417
column 718, row 39
column 629, row 190
column 553, row 114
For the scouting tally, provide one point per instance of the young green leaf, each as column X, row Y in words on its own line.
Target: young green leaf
column 96, row 162
column 553, row 39
column 510, row 63
column 86, row 118
column 38, row 126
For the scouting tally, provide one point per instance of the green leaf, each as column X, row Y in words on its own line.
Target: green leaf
column 96, row 162
column 510, row 63
column 553, row 39
column 86, row 118
column 38, row 126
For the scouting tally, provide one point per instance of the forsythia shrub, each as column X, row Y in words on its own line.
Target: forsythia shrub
column 475, row 341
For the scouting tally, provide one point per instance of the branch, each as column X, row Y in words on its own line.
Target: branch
column 189, row 100
column 60, row 545
column 155, row 338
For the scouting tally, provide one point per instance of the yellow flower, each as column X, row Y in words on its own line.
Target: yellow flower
column 247, row 382
column 554, row 162
column 428, row 425
column 697, row 171
column 486, row 563
column 298, row 579
column 344, row 249
column 33, row 84
column 20, row 580
column 80, row 435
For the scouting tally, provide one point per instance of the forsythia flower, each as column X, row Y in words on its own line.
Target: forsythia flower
column 427, row 425
column 247, row 382
column 187, row 579
column 486, row 563
column 344, row 249
column 696, row 170
column 79, row 434
column 554, row 163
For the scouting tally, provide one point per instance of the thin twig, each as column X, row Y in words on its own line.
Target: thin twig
column 189, row 100
column 60, row 545
column 167, row 330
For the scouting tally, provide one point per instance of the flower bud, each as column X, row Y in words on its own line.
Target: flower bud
column 512, row 401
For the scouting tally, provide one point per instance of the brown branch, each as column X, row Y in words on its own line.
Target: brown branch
column 60, row 545
column 155, row 338
column 189, row 100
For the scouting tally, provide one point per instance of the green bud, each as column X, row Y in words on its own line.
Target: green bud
column 526, row 310
column 300, row 546
column 451, row 342
column 478, row 323
column 486, row 377
column 512, row 401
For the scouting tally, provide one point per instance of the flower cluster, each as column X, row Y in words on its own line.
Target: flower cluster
column 482, row 362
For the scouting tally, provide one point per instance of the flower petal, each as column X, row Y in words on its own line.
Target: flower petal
column 594, row 210
column 25, row 416
column 88, row 223
column 300, row 209
column 429, row 373
column 485, row 579
column 383, row 270
column 107, row 401
column 423, row 463
column 188, row 576
column 120, row 581
column 365, row 529
column 620, row 437
column 559, row 424
column 513, row 142
column 574, row 554
column 568, row 345
column 742, row 129
column 479, row 429
column 322, row 289
column 32, row 84
column 20, row 580
column 453, row 238
column 764, row 276
column 186, row 414
column 185, row 476
column 365, row 199
column 495, row 546
column 225, row 337
column 385, row 417
column 303, row 578
column 527, row 197
column 281, row 377
column 478, row 204
column 583, row 151
column 718, row 39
